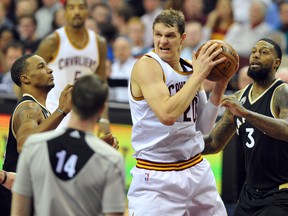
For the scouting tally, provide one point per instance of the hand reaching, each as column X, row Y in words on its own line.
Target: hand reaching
column 232, row 103
column 111, row 140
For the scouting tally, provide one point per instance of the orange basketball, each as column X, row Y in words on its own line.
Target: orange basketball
column 227, row 68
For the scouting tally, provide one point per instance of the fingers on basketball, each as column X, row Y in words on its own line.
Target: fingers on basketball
column 226, row 69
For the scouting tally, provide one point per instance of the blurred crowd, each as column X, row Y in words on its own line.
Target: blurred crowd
column 127, row 27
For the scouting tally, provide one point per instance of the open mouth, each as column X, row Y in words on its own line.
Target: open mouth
column 164, row 49
column 255, row 64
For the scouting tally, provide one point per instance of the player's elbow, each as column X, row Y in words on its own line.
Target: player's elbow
column 210, row 146
column 210, row 150
column 167, row 120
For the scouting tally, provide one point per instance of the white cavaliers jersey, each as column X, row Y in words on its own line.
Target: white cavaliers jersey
column 69, row 64
column 154, row 141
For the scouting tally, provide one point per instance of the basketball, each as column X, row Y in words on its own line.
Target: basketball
column 227, row 68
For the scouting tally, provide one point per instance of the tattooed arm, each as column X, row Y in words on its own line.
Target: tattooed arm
column 28, row 119
column 274, row 127
column 220, row 135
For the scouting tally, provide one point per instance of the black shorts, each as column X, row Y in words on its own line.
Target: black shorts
column 5, row 201
column 272, row 202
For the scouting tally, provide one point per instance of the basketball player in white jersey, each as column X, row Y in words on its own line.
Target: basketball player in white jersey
column 170, row 114
column 73, row 51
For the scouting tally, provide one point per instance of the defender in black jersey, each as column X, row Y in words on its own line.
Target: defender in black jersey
column 71, row 171
column 258, row 114
column 35, row 79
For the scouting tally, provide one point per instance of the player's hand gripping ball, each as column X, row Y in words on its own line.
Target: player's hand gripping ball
column 226, row 69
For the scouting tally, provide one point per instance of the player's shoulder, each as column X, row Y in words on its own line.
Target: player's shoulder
column 282, row 89
column 281, row 92
column 100, row 39
column 147, row 59
column 27, row 106
column 53, row 37
column 43, row 137
column 48, row 44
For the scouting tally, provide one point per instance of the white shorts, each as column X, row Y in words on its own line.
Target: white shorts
column 190, row 192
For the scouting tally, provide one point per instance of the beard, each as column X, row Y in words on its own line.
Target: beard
column 259, row 75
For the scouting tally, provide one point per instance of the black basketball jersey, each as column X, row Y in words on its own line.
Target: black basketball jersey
column 11, row 154
column 265, row 157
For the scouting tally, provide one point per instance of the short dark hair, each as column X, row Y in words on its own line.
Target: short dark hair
column 100, row 4
column 9, row 29
column 66, row 2
column 19, row 67
column 275, row 45
column 16, row 45
column 171, row 18
column 89, row 95
column 29, row 16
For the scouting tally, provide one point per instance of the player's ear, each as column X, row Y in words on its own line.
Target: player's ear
column 277, row 63
column 25, row 79
column 183, row 36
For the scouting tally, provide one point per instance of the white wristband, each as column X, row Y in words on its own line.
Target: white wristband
column 103, row 120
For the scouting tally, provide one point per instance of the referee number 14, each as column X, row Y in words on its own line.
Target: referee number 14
column 66, row 165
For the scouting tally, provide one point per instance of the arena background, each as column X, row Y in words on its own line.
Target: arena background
column 123, row 134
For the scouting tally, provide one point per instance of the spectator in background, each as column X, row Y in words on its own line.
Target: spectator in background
column 4, row 21
column 27, row 25
column 283, row 13
column 115, row 4
column 110, row 33
column 280, row 38
column 7, row 35
column 9, row 6
column 101, row 13
column 12, row 52
column 136, row 34
column 176, row 5
column 90, row 23
column 58, row 19
column 152, row 8
column 194, row 11
column 90, row 4
column 45, row 15
column 24, row 7
column 121, row 17
column 194, row 39
column 272, row 15
column 282, row 74
column 243, row 36
column 121, row 70
column 241, row 10
column 219, row 20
